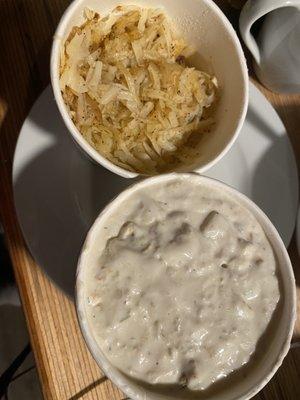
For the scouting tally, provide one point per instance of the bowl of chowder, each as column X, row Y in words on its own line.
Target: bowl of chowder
column 185, row 290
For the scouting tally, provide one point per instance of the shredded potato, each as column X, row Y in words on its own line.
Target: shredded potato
column 129, row 92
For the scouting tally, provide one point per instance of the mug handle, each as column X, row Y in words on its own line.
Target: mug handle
column 251, row 12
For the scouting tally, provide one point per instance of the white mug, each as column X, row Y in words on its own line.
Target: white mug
column 277, row 49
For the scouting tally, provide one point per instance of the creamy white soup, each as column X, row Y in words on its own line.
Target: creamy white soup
column 184, row 285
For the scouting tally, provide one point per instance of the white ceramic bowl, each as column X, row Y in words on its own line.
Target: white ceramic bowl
column 219, row 52
column 280, row 332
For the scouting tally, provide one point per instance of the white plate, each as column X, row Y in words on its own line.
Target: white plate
column 59, row 192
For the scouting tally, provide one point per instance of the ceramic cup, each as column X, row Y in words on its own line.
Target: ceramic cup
column 277, row 50
column 218, row 51
column 280, row 335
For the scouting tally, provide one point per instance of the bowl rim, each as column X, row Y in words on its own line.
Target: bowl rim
column 86, row 147
column 274, row 238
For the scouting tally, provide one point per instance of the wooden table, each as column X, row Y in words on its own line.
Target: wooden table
column 66, row 369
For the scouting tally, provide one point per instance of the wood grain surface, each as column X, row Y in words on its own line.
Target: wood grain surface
column 66, row 369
